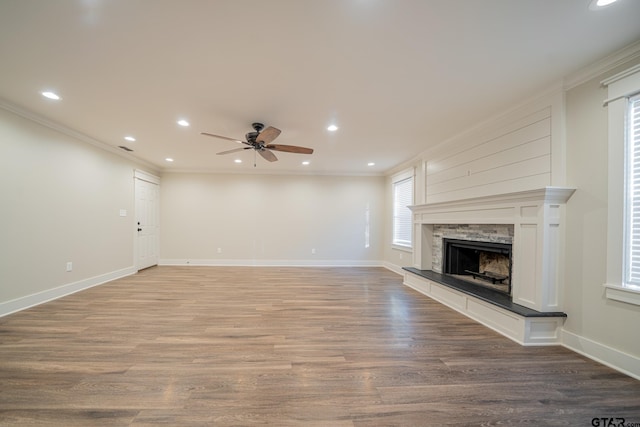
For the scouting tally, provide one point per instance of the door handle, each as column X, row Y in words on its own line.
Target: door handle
column 139, row 229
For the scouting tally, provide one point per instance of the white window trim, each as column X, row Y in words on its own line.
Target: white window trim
column 401, row 176
column 620, row 87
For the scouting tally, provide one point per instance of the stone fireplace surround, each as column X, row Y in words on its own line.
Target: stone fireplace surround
column 493, row 233
column 536, row 218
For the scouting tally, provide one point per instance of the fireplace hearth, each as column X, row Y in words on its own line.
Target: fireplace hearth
column 486, row 264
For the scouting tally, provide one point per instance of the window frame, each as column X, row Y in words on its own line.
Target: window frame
column 621, row 87
column 397, row 179
column 632, row 162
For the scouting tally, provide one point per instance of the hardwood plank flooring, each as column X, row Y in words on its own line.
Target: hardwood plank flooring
column 199, row 346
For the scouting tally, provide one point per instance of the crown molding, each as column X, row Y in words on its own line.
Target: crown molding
column 604, row 65
column 259, row 171
column 36, row 118
column 626, row 73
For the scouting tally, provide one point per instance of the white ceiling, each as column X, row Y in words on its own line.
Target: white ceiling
column 397, row 76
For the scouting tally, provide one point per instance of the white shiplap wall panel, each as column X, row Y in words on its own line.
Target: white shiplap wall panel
column 523, row 135
column 529, row 150
column 511, row 186
column 508, row 172
column 512, row 159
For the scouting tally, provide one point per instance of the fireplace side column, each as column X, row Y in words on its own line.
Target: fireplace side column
column 537, row 245
column 422, row 244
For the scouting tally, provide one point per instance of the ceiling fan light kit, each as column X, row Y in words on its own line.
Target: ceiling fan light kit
column 260, row 141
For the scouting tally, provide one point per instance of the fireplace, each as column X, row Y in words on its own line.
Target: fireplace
column 537, row 253
column 486, row 264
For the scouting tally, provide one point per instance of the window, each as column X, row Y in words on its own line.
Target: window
column 402, row 219
column 632, row 192
column 623, row 211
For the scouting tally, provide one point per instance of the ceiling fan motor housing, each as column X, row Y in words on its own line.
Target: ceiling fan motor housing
column 251, row 136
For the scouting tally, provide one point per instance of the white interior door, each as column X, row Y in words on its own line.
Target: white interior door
column 147, row 215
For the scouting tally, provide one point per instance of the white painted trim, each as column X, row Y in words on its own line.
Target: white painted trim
column 72, row 133
column 405, row 174
column 545, row 195
column 604, row 65
column 392, row 267
column 143, row 176
column 32, row 300
column 616, row 359
column 259, row 171
column 618, row 87
column 622, row 293
column 621, row 75
column 146, row 176
column 270, row 263
column 397, row 247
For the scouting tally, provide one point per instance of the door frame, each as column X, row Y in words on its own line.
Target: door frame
column 141, row 175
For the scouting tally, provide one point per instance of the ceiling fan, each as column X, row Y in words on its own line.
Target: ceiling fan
column 260, row 141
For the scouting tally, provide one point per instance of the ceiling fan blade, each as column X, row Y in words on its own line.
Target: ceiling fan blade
column 268, row 135
column 223, row 137
column 235, row 150
column 267, row 155
column 290, row 148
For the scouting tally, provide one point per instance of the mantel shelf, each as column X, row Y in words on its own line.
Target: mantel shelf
column 545, row 195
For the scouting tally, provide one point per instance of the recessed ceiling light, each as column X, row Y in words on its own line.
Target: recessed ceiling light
column 169, row 159
column 306, row 162
column 51, row 95
column 371, row 164
column 238, row 161
column 599, row 4
column 130, row 138
column 183, row 122
column 332, row 128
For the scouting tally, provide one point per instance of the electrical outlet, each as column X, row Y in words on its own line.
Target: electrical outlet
column 69, row 266
column 313, row 251
column 219, row 250
column 401, row 255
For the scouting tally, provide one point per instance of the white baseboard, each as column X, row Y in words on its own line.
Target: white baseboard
column 393, row 267
column 38, row 298
column 270, row 263
column 622, row 362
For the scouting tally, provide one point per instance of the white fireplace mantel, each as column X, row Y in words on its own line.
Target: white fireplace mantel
column 537, row 251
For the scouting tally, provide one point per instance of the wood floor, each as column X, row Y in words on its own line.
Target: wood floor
column 200, row 346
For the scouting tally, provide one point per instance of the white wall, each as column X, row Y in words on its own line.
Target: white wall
column 595, row 323
column 271, row 219
column 61, row 201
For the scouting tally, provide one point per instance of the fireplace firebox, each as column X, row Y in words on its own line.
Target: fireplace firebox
column 485, row 264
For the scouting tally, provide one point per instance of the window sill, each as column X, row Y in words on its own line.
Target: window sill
column 408, row 249
column 623, row 294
